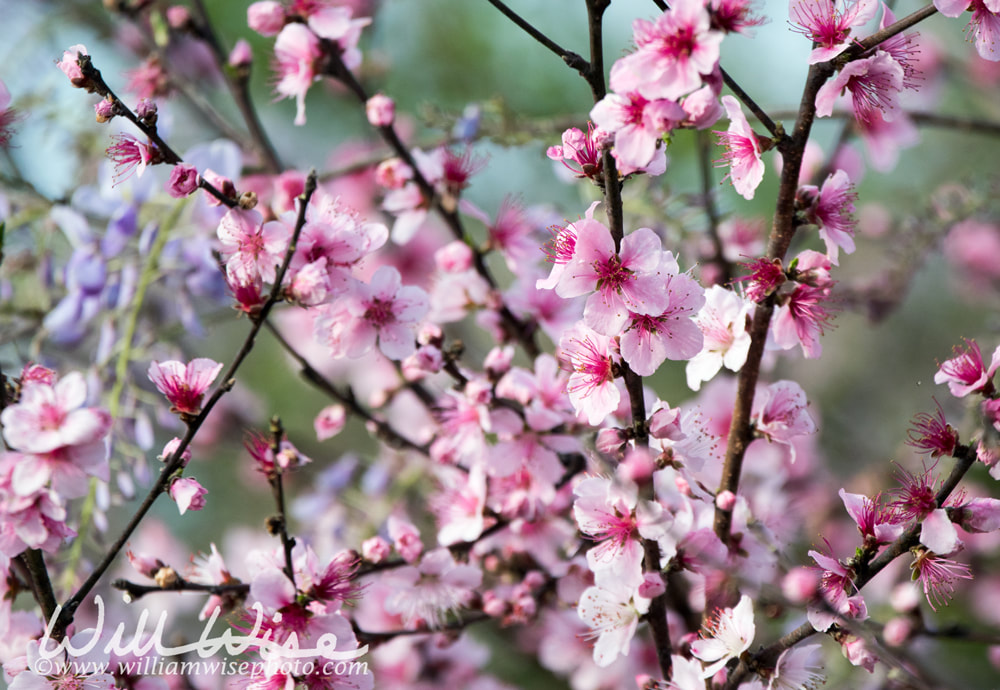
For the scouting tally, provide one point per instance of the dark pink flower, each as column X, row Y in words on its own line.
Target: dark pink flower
column 800, row 320
column 831, row 209
column 938, row 575
column 131, row 156
column 874, row 84
column 184, row 385
column 932, row 434
column 828, row 24
column 965, row 372
column 183, row 180
column 71, row 68
column 252, row 249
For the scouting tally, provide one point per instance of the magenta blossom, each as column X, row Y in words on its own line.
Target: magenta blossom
column 184, row 384
column 591, row 387
column 800, row 320
column 828, row 24
column 831, row 209
column 131, row 156
column 965, row 372
column 183, row 180
column 874, row 84
column 743, row 150
column 781, row 414
column 252, row 249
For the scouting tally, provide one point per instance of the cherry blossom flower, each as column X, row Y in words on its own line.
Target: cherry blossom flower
column 874, row 84
column 561, row 249
column 36, row 521
column 780, row 413
column 130, row 155
column 625, row 281
column 743, row 150
column 830, row 208
column 723, row 324
column 49, row 417
column 828, row 24
column 188, row 494
column 730, row 632
column 766, row 276
column 83, row 670
column 937, row 576
column 673, row 53
column 329, row 422
column 932, row 434
column 438, row 585
column 798, row 669
column 184, row 384
column 266, row 17
column 965, row 372
column 734, row 16
column 800, row 319
column 585, row 150
column 614, row 516
column 878, row 524
column 252, row 249
column 183, row 180
column 591, row 387
column 638, row 124
column 383, row 310
column 984, row 24
column 71, row 68
column 837, row 580
column 297, row 52
column 380, row 110
column 649, row 339
column 611, row 609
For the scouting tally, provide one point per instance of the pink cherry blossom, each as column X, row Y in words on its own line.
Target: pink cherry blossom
column 184, row 384
column 70, row 66
column 831, row 209
column 380, row 110
column 183, row 180
column 828, row 24
column 743, row 150
column 297, row 52
column 266, row 17
column 638, row 124
column 188, row 494
column 383, row 310
column 584, row 150
column 627, row 281
column 591, row 387
column 878, row 523
column 800, row 320
column 650, row 339
column 613, row 515
column 252, row 249
column 874, row 84
column 984, row 24
column 423, row 594
column 780, row 413
column 932, row 434
column 47, row 418
column 723, row 323
column 131, row 155
column 612, row 610
column 673, row 53
column 937, row 576
column 965, row 372
column 330, row 421
column 730, row 632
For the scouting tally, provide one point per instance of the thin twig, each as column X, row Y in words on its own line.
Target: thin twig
column 569, row 57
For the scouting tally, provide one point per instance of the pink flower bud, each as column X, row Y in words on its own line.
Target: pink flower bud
column 897, row 631
column 800, row 584
column 392, row 174
column 70, row 68
column 610, row 442
column 145, row 109
column 266, row 18
column 223, row 184
column 638, row 465
column 375, row 549
column 533, row 580
column 143, row 564
column 381, row 110
column 430, row 334
column 652, row 586
column 454, row 257
column 497, row 362
column 241, row 54
column 188, row 494
column 171, row 448
column 725, row 500
column 330, row 421
column 666, row 424
column 104, row 110
column 38, row 374
column 178, row 16
column 183, row 180
column 405, row 538
column 493, row 605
